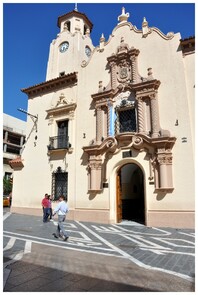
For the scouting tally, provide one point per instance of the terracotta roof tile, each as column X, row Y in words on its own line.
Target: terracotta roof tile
column 16, row 163
column 50, row 84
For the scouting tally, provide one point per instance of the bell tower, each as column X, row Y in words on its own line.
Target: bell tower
column 75, row 21
column 72, row 45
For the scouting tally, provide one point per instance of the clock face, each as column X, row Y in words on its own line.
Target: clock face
column 87, row 51
column 64, row 46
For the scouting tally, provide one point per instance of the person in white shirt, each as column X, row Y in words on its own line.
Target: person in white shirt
column 62, row 208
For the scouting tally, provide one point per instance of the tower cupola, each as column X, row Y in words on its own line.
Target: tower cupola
column 75, row 21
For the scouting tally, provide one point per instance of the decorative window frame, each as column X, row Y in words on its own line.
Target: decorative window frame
column 54, row 173
column 54, row 115
column 124, row 106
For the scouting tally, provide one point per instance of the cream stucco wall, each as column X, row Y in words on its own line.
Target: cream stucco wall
column 175, row 99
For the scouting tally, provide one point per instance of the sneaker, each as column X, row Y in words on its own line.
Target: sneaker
column 65, row 239
column 55, row 235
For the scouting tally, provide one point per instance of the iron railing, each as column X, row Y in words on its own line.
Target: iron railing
column 59, row 142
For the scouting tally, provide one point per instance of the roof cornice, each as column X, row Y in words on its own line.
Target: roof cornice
column 188, row 45
column 50, row 85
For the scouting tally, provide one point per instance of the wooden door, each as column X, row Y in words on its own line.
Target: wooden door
column 119, row 198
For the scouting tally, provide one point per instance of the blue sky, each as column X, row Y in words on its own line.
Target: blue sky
column 28, row 30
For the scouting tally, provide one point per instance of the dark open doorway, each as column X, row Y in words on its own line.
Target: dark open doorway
column 130, row 194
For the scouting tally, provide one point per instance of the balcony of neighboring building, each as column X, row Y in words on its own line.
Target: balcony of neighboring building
column 12, row 144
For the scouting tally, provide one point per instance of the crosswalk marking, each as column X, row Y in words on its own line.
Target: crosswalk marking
column 63, row 245
column 124, row 254
column 9, row 244
column 28, row 247
column 73, row 241
column 5, row 216
column 176, row 242
column 92, row 238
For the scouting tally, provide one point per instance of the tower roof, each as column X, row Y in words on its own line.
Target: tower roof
column 77, row 14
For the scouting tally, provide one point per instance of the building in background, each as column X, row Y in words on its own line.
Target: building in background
column 13, row 139
column 113, row 126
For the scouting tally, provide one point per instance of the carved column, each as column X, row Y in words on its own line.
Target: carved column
column 141, row 124
column 108, row 120
column 105, row 122
column 134, row 69
column 113, row 75
column 162, row 171
column 98, row 124
column 95, row 166
column 134, row 66
column 154, row 116
column 165, row 170
column 51, row 125
column 110, row 106
column 169, row 169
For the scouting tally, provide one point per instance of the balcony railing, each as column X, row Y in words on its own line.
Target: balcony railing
column 59, row 142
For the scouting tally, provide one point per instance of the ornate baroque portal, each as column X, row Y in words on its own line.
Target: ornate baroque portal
column 127, row 116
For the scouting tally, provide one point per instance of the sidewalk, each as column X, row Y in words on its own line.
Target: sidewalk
column 88, row 274
column 97, row 257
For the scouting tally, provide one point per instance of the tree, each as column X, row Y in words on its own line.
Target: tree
column 7, row 186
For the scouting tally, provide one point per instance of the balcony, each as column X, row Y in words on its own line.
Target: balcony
column 59, row 143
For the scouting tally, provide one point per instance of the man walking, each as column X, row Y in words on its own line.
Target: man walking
column 61, row 209
column 45, row 205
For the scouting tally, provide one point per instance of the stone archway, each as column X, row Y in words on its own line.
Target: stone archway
column 130, row 193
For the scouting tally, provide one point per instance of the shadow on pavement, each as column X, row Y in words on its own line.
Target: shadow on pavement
column 34, row 278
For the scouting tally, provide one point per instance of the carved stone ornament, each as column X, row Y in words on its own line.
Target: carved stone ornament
column 123, row 73
column 62, row 100
column 137, row 142
column 165, row 159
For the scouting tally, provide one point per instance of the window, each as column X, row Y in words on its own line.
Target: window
column 126, row 120
column 61, row 141
column 67, row 25
column 12, row 149
column 8, row 175
column 61, row 74
column 59, row 183
column 87, row 51
column 62, row 134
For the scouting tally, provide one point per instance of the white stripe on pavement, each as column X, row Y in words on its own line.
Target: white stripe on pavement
column 6, row 215
column 137, row 262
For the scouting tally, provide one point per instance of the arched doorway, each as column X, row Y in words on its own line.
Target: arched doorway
column 130, row 194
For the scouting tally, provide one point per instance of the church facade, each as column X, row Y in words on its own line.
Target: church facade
column 112, row 127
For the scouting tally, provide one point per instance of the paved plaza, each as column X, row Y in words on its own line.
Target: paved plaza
column 97, row 257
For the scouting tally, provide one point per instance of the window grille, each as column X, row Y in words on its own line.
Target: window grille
column 126, row 120
column 59, row 183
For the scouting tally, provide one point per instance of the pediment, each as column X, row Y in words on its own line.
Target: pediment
column 62, row 109
column 61, row 104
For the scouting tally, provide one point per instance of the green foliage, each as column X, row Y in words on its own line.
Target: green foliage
column 7, row 186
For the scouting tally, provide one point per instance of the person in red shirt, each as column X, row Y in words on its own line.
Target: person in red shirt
column 46, row 207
